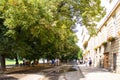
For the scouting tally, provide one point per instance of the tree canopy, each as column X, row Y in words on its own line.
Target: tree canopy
column 42, row 28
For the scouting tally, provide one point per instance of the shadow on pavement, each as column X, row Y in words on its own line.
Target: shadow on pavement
column 7, row 78
column 81, row 73
column 51, row 73
column 65, row 73
column 27, row 69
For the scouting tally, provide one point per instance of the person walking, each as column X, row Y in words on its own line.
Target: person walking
column 53, row 62
column 90, row 62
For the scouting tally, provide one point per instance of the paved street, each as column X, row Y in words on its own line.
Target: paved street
column 66, row 72
column 91, row 73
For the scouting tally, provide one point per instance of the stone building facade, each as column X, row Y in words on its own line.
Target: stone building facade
column 104, row 49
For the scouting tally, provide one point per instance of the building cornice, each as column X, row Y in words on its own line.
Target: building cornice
column 106, row 18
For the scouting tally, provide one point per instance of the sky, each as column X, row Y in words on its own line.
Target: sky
column 104, row 3
column 79, row 28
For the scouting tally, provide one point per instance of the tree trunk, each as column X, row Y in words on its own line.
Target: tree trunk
column 16, row 59
column 43, row 60
column 2, row 59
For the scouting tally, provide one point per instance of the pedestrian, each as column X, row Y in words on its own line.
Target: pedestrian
column 53, row 62
column 24, row 61
column 57, row 62
column 77, row 61
column 90, row 62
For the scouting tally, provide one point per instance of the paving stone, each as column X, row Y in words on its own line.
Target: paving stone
column 92, row 73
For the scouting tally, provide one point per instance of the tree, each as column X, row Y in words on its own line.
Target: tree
column 80, row 54
column 60, row 12
column 4, row 44
column 42, row 28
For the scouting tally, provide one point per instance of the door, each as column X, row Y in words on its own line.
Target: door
column 114, row 61
column 106, row 60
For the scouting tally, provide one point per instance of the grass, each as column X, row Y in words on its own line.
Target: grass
column 11, row 62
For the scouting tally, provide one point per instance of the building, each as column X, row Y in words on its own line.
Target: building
column 104, row 49
column 83, row 36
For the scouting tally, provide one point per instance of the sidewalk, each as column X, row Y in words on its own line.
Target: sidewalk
column 81, row 73
column 92, row 73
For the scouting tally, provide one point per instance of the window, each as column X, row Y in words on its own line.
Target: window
column 110, row 1
column 114, row 18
